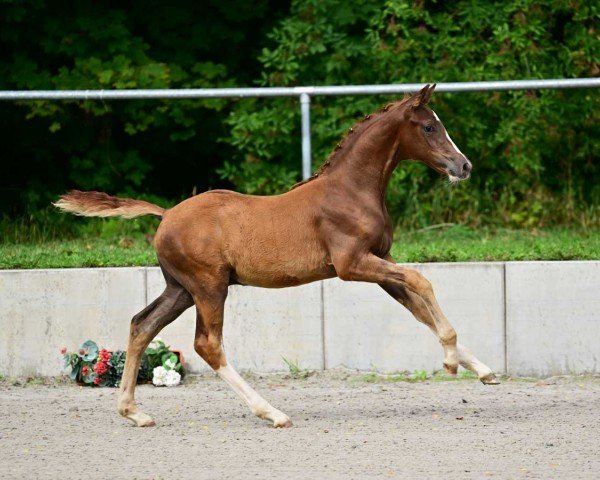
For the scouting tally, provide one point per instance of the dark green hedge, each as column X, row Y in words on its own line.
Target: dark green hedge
column 534, row 152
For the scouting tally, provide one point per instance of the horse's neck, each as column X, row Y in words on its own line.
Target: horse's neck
column 367, row 166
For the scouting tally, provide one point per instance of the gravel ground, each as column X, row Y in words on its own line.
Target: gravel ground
column 344, row 428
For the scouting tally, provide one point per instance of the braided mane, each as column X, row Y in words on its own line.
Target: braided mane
column 355, row 132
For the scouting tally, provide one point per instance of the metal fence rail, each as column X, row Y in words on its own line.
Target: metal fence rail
column 303, row 93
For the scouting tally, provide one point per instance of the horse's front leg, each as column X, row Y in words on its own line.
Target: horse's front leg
column 418, row 308
column 370, row 268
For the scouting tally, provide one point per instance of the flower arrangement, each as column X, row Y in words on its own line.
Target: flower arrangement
column 101, row 367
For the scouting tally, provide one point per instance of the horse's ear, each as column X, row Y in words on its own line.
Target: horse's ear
column 430, row 92
column 422, row 98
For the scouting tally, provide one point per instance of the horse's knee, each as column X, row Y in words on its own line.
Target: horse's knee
column 344, row 272
column 448, row 336
column 418, row 283
column 202, row 344
column 345, row 268
column 209, row 348
column 138, row 318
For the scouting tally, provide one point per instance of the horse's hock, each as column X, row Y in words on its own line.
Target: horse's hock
column 526, row 318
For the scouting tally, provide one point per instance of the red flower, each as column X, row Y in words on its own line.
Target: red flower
column 63, row 350
column 100, row 368
column 85, row 370
column 104, row 355
column 97, row 381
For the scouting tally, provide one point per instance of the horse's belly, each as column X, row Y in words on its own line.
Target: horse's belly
column 269, row 272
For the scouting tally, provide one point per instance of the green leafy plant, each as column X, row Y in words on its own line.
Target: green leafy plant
column 414, row 377
column 88, row 351
column 295, row 370
column 100, row 367
column 159, row 354
column 419, row 376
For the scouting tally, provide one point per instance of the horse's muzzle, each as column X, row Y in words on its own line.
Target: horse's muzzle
column 460, row 169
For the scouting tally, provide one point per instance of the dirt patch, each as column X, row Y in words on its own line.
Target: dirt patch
column 344, row 427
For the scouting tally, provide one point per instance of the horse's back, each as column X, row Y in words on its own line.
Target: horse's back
column 264, row 241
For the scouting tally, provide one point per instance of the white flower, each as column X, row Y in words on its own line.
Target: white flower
column 159, row 376
column 172, row 378
column 163, row 377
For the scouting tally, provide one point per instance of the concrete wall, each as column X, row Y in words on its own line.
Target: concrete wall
column 553, row 317
column 367, row 329
column 522, row 317
column 261, row 326
column 42, row 310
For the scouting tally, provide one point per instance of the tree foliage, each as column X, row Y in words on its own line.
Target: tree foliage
column 166, row 148
column 534, row 152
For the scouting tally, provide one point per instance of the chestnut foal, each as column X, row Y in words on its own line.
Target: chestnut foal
column 333, row 224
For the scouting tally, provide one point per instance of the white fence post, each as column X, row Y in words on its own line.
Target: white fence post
column 306, row 154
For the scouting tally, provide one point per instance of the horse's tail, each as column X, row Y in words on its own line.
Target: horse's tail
column 100, row 204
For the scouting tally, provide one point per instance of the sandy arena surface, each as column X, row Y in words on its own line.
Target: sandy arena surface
column 344, row 428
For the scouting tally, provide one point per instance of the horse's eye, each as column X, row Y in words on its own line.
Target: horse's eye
column 429, row 128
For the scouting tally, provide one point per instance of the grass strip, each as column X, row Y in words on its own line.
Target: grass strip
column 448, row 243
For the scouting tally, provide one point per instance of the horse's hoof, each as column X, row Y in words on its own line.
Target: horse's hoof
column 285, row 424
column 148, row 423
column 141, row 419
column 490, row 379
column 450, row 369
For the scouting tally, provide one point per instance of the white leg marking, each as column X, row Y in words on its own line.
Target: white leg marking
column 470, row 362
column 258, row 405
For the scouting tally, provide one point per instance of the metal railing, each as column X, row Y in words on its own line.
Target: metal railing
column 303, row 93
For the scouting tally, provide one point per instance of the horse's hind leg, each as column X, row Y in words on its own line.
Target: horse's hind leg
column 210, row 302
column 144, row 327
column 421, row 311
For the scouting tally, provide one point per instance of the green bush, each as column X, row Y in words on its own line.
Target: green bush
column 162, row 147
column 534, row 152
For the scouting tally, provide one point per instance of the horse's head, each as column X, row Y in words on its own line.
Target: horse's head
column 426, row 139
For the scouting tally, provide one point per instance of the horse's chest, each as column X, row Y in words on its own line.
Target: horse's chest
column 380, row 241
column 383, row 245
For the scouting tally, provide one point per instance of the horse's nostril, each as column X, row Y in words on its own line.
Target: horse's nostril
column 466, row 167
